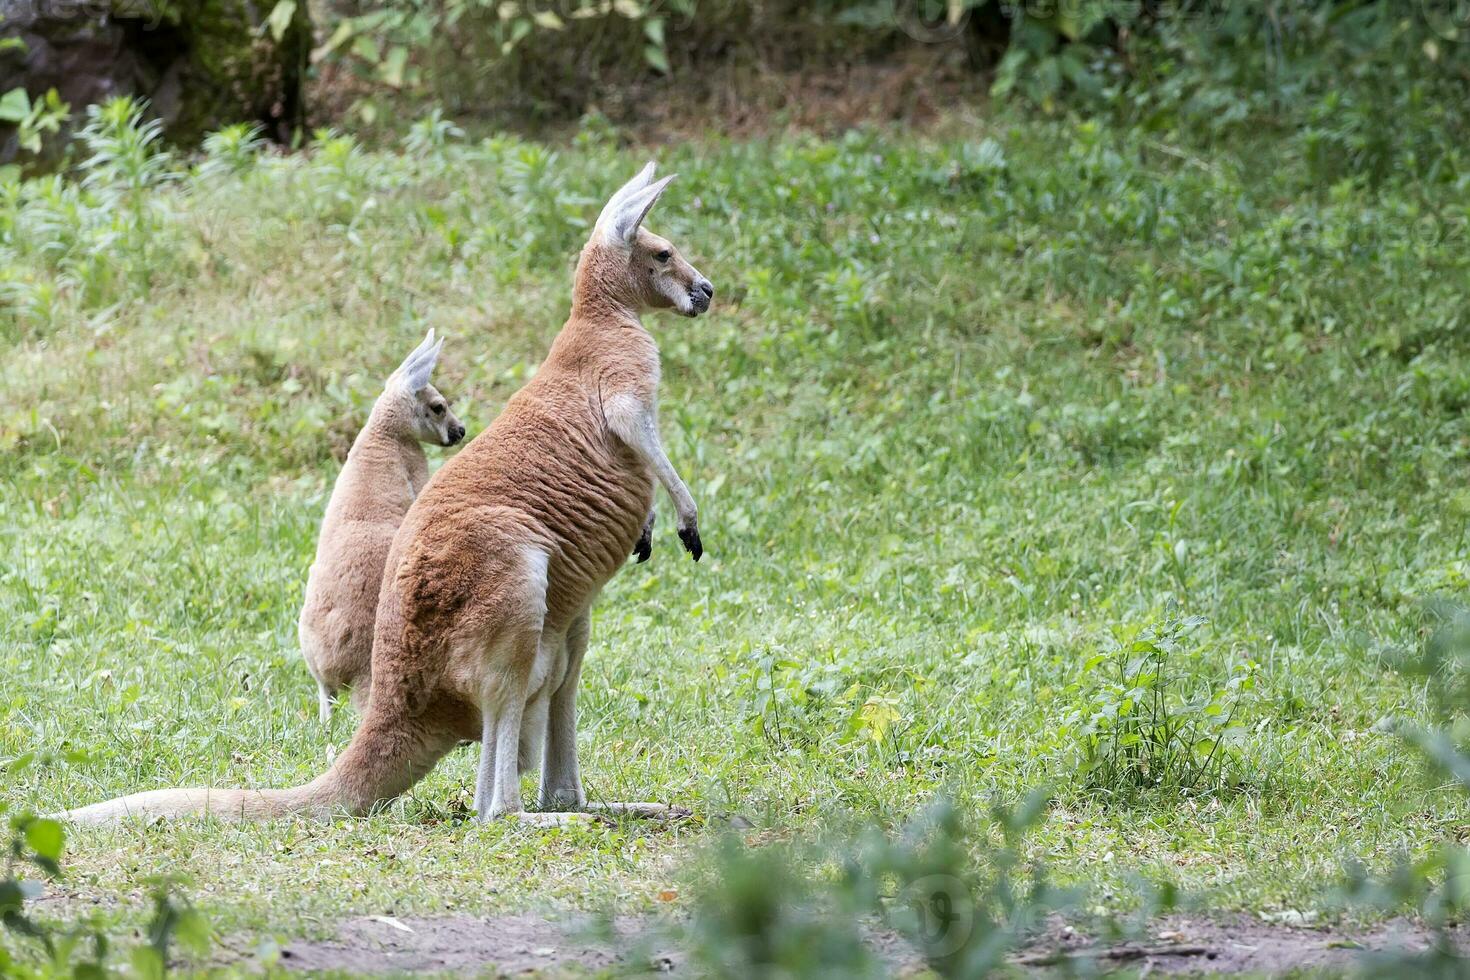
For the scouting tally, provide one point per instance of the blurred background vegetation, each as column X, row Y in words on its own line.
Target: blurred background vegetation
column 1192, row 68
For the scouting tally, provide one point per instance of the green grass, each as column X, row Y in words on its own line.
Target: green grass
column 967, row 407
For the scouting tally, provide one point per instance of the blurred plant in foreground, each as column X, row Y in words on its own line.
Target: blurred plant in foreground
column 81, row 950
column 1436, row 886
column 759, row 915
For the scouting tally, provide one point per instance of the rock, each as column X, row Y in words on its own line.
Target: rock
column 202, row 64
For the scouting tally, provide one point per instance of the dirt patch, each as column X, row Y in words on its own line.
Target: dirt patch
column 1229, row 944
column 510, row 944
column 522, row 944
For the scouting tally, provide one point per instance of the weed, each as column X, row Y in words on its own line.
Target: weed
column 82, row 950
column 231, row 151
column 1138, row 730
column 959, row 903
column 1436, row 885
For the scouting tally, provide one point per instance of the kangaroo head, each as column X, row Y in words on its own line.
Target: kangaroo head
column 417, row 407
column 633, row 266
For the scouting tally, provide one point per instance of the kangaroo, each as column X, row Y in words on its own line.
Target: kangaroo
column 385, row 470
column 483, row 617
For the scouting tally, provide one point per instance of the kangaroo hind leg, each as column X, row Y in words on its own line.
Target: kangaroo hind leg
column 510, row 665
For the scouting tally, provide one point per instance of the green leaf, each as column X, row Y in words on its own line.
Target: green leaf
column 656, row 58
column 339, row 37
column 653, row 29
column 192, row 931
column 391, row 70
column 15, row 105
column 147, row 963
column 45, row 837
column 11, row 897
column 367, row 49
column 280, row 18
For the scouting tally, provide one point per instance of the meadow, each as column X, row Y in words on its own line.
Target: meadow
column 1030, row 452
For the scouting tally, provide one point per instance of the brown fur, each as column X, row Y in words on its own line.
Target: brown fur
column 482, row 617
column 384, row 472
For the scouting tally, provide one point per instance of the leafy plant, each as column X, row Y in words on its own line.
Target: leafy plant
column 82, row 950
column 33, row 120
column 400, row 47
column 1437, row 885
column 1144, row 723
column 231, row 150
column 961, row 910
column 960, row 902
column 1058, row 46
column 431, row 134
column 127, row 155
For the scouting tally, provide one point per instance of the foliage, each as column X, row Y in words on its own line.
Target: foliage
column 98, row 240
column 1436, row 885
column 1058, row 47
column 127, row 159
column 1192, row 68
column 407, row 46
column 82, row 950
column 756, row 913
column 231, row 151
column 1138, row 730
column 33, row 119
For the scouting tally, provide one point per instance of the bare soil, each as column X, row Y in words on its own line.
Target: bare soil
column 528, row 944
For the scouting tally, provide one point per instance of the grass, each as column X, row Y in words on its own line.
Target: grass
column 971, row 411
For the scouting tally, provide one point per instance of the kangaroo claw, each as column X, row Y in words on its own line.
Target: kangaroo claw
column 690, row 537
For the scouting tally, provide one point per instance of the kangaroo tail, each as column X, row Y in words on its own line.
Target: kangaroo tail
column 388, row 754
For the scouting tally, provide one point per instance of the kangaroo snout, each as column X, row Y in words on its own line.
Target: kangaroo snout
column 700, row 295
column 456, row 433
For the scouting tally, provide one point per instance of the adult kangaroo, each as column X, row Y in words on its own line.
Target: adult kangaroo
column 483, row 613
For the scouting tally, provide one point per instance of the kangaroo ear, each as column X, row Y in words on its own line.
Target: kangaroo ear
column 622, row 217
column 640, row 180
column 414, row 372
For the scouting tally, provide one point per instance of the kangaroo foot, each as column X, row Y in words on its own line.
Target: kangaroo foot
column 646, row 811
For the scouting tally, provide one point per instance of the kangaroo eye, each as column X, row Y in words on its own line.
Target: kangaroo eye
column 438, row 409
column 664, row 255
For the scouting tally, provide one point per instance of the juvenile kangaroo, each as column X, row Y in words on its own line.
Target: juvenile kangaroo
column 483, row 615
column 385, row 470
